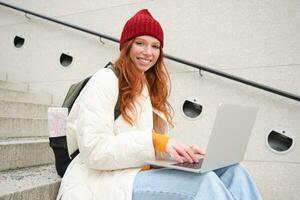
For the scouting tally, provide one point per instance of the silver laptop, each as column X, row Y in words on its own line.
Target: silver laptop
column 228, row 140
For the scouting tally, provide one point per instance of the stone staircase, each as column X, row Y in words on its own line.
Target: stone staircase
column 27, row 162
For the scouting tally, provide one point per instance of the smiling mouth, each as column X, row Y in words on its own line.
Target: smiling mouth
column 144, row 61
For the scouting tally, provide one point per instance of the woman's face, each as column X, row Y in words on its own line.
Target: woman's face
column 144, row 52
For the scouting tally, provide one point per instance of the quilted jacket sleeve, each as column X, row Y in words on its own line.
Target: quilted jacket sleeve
column 99, row 147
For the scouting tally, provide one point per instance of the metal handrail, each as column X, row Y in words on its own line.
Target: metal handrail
column 173, row 58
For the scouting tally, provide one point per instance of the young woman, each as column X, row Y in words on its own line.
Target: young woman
column 111, row 163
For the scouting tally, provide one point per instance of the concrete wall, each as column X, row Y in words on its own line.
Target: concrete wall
column 257, row 40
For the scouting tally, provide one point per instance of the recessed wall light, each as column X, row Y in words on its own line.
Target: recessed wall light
column 279, row 141
column 19, row 41
column 65, row 59
column 192, row 109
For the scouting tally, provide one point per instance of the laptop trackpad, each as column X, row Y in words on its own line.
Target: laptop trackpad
column 190, row 165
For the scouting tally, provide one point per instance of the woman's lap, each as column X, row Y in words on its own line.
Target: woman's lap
column 172, row 184
column 161, row 184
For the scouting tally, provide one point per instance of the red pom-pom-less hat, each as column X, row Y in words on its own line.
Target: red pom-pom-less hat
column 142, row 23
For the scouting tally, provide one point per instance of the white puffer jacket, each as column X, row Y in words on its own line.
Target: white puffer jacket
column 112, row 152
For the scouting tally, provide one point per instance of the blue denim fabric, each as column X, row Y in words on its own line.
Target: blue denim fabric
column 233, row 182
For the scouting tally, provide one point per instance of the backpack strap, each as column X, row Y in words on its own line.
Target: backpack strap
column 73, row 93
column 110, row 65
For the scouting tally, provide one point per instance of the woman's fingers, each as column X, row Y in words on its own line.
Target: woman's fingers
column 192, row 154
column 182, row 152
column 175, row 148
column 174, row 153
column 187, row 152
column 198, row 150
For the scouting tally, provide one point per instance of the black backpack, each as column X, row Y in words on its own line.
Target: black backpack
column 59, row 144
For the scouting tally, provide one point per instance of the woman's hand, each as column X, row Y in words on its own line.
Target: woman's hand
column 181, row 152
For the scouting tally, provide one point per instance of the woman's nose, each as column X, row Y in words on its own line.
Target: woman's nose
column 147, row 50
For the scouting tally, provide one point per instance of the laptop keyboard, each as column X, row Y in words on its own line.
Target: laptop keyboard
column 190, row 165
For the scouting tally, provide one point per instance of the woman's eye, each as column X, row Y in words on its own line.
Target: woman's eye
column 155, row 46
column 139, row 43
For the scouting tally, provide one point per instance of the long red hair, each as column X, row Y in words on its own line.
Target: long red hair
column 131, row 82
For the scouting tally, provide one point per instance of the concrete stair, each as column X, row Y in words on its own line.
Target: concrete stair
column 25, row 152
column 21, row 87
column 33, row 183
column 25, row 97
column 27, row 168
column 22, row 110
column 22, row 127
column 19, row 119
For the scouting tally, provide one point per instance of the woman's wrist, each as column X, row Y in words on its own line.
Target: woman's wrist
column 160, row 141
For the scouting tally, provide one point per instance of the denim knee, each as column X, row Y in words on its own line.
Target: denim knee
column 212, row 187
column 237, row 170
column 232, row 169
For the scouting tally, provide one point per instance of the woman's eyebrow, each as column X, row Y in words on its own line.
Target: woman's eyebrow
column 140, row 39
column 143, row 40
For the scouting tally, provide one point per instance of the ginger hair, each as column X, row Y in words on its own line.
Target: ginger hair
column 131, row 82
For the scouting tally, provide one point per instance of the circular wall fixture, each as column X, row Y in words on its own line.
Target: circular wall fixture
column 19, row 41
column 65, row 59
column 280, row 142
column 191, row 109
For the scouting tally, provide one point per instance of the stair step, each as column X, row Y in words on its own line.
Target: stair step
column 32, row 183
column 25, row 97
column 25, row 152
column 21, row 87
column 22, row 110
column 22, row 127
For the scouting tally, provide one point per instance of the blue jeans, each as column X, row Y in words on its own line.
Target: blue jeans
column 233, row 182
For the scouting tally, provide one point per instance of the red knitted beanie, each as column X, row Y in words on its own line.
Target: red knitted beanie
column 142, row 23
